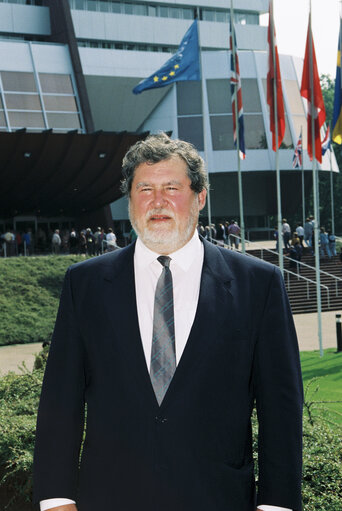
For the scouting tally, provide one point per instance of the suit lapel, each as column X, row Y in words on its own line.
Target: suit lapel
column 214, row 306
column 212, row 313
column 120, row 300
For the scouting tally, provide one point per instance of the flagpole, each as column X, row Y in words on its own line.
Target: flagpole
column 303, row 179
column 280, row 239
column 332, row 194
column 315, row 190
column 204, row 109
column 237, row 126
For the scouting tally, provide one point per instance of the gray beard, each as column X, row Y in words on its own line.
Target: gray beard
column 169, row 241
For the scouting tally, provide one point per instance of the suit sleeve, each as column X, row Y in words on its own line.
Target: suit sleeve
column 279, row 397
column 61, row 410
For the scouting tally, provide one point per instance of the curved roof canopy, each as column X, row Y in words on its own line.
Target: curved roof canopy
column 53, row 174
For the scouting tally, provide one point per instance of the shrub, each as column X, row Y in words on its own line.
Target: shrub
column 19, row 396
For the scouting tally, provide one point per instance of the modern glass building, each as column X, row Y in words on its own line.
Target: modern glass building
column 71, row 65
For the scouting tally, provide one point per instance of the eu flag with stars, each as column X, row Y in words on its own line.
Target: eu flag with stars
column 183, row 65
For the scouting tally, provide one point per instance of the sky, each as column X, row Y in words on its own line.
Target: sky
column 291, row 23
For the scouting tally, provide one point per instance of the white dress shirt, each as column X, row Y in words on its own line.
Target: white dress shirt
column 186, row 268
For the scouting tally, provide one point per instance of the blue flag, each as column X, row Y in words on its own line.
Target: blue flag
column 337, row 114
column 183, row 65
column 326, row 142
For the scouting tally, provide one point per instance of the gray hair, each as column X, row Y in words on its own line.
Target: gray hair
column 160, row 147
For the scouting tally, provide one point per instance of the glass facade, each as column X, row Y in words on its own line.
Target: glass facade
column 114, row 45
column 189, row 110
column 287, row 142
column 297, row 109
column 221, row 119
column 23, row 2
column 36, row 102
column 164, row 11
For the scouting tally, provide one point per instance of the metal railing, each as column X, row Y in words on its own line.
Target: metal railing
column 288, row 273
column 308, row 281
column 323, row 272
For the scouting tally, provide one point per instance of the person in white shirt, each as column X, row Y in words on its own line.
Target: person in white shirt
column 111, row 240
column 300, row 233
column 169, row 342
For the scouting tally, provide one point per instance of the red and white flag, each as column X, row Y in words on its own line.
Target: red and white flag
column 311, row 90
column 274, row 88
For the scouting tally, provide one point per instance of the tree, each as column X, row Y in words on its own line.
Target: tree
column 328, row 87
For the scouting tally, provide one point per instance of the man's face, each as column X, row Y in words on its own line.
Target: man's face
column 163, row 208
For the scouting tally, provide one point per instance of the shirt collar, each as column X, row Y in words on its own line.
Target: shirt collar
column 183, row 257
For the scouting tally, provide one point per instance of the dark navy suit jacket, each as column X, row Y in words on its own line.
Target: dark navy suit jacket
column 194, row 452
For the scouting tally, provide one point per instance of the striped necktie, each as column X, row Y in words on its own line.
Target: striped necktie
column 163, row 353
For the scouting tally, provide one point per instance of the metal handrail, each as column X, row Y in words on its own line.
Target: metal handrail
column 308, row 281
column 334, row 277
column 227, row 245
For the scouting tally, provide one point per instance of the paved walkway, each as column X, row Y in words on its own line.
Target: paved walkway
column 13, row 356
column 306, row 325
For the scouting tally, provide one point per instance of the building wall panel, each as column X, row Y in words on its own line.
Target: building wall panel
column 24, row 19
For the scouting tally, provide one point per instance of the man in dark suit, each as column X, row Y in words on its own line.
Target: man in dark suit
column 168, row 344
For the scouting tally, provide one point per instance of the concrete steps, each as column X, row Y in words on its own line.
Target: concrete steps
column 302, row 294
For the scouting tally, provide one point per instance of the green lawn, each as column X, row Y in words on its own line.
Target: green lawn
column 29, row 296
column 324, row 376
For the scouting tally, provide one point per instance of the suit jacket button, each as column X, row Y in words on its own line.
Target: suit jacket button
column 160, row 420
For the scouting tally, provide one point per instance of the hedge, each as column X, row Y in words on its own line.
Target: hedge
column 19, row 396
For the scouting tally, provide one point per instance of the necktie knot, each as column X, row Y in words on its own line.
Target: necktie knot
column 164, row 261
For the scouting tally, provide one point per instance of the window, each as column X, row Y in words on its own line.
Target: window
column 21, row 82
column 219, row 97
column 140, row 9
column 189, row 100
column 80, row 4
column 208, row 15
column 188, row 13
column 64, row 121
column 60, row 103
column 250, row 95
column 175, row 12
column 191, row 130
column 22, row 102
column 116, row 6
column 152, row 10
column 287, row 140
column 222, row 16
column 26, row 119
column 56, row 83
column 104, row 6
column 222, row 132
column 128, row 8
column 2, row 119
column 255, row 136
column 92, row 5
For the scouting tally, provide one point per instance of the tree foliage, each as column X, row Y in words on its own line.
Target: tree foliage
column 328, row 88
column 19, row 396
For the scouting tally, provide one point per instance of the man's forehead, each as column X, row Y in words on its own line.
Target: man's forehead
column 170, row 169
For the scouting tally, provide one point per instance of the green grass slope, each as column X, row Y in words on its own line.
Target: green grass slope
column 29, row 294
column 322, row 377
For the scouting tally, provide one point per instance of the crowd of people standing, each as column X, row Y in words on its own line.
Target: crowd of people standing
column 302, row 237
column 223, row 233
column 60, row 241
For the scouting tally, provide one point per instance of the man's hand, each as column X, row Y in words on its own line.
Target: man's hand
column 67, row 507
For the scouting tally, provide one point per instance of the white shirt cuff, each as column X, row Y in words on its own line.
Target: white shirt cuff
column 273, row 508
column 51, row 503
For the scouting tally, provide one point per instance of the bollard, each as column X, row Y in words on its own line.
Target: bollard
column 339, row 332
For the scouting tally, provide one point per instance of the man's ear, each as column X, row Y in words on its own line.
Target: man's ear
column 201, row 198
